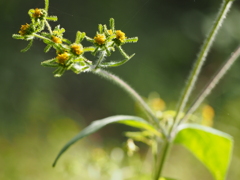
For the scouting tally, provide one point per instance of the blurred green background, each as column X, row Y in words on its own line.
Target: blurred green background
column 39, row 113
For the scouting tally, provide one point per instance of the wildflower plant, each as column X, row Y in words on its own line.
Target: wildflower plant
column 158, row 128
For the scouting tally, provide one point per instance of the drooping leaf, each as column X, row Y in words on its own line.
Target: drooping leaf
column 28, row 46
column 133, row 121
column 115, row 64
column 50, row 63
column 47, row 48
column 212, row 147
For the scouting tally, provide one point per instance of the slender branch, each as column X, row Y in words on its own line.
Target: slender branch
column 163, row 157
column 46, row 5
column 132, row 94
column 201, row 59
column 102, row 55
column 212, row 83
column 41, row 37
column 49, row 27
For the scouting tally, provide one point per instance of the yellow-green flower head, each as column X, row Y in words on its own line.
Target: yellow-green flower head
column 61, row 58
column 24, row 29
column 77, row 49
column 120, row 35
column 56, row 39
column 100, row 39
column 37, row 13
column 110, row 31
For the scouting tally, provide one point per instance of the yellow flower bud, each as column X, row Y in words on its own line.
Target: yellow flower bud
column 37, row 13
column 23, row 29
column 77, row 49
column 100, row 39
column 120, row 35
column 56, row 39
column 61, row 58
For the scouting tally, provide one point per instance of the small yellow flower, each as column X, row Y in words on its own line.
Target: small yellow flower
column 100, row 39
column 110, row 31
column 157, row 104
column 61, row 58
column 120, row 35
column 207, row 115
column 37, row 13
column 23, row 29
column 77, row 49
column 56, row 39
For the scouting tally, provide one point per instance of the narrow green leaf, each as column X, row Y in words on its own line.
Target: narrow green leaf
column 28, row 46
column 100, row 28
column 131, row 40
column 59, row 72
column 66, row 41
column 89, row 49
column 50, row 63
column 52, row 18
column 46, row 5
column 115, row 64
column 47, row 48
column 79, row 37
column 212, row 147
column 17, row 36
column 89, row 39
column 96, row 125
column 112, row 24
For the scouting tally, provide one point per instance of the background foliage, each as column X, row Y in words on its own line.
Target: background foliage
column 39, row 113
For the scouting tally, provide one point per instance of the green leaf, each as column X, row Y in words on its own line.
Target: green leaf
column 96, row 125
column 46, row 5
column 112, row 24
column 115, row 64
column 17, row 36
column 165, row 178
column 47, row 48
column 79, row 37
column 28, row 46
column 89, row 49
column 59, row 71
column 100, row 28
column 52, row 18
column 50, row 63
column 131, row 40
column 212, row 147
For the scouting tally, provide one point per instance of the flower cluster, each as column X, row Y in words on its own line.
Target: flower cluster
column 70, row 55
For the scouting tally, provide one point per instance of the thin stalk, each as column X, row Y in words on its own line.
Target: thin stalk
column 225, row 7
column 132, row 94
column 201, row 58
column 46, row 5
column 163, row 157
column 212, row 83
column 41, row 37
column 49, row 27
column 103, row 54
